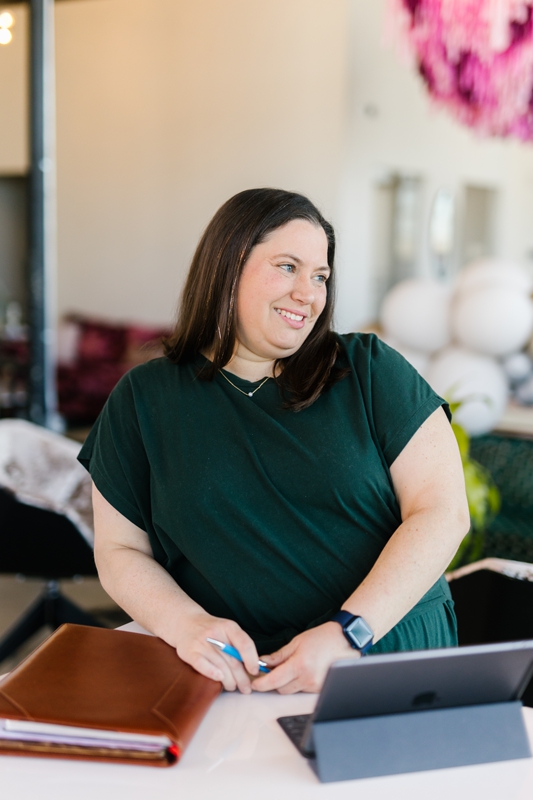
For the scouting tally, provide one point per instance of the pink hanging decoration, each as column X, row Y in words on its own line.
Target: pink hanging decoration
column 476, row 59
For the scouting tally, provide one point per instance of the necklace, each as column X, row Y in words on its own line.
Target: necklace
column 248, row 394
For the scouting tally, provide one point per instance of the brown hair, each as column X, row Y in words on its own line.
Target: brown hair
column 207, row 312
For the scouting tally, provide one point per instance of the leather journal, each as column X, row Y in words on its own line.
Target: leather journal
column 103, row 695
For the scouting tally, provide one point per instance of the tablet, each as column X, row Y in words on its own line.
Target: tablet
column 397, row 683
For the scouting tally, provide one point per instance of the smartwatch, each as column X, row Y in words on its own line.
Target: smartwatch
column 359, row 634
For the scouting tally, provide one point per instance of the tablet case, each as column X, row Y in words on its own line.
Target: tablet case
column 110, row 680
column 390, row 744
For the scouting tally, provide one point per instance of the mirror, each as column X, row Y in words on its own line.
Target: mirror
column 397, row 203
column 442, row 232
column 479, row 222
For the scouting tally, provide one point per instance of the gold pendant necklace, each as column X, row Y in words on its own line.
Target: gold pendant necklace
column 248, row 394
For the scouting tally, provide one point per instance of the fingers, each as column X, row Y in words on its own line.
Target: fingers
column 293, row 687
column 290, row 677
column 213, row 664
column 240, row 677
column 280, row 676
column 219, row 667
column 246, row 647
column 281, row 655
column 274, row 659
column 285, row 668
column 234, row 673
column 205, row 667
column 301, row 665
column 277, row 676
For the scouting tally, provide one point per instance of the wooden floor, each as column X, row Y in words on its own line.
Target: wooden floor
column 16, row 596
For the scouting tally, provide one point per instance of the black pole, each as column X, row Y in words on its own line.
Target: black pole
column 42, row 389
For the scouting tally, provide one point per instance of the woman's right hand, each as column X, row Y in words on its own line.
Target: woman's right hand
column 156, row 602
column 191, row 646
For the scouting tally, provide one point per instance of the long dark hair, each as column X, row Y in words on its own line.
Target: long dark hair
column 207, row 313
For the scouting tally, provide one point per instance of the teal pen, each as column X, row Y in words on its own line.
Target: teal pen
column 231, row 651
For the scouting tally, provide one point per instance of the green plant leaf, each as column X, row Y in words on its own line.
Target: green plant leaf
column 463, row 440
column 495, row 500
column 484, row 500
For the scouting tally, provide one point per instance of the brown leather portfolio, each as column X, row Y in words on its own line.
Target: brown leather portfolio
column 111, row 684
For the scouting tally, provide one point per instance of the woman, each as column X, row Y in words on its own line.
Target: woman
column 269, row 474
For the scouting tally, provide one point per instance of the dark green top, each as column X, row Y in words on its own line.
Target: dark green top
column 267, row 516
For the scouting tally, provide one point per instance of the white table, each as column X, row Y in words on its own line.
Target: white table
column 240, row 751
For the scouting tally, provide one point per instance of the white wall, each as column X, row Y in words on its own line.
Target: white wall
column 14, row 98
column 165, row 109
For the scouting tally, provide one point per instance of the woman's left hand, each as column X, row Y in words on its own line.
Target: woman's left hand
column 301, row 665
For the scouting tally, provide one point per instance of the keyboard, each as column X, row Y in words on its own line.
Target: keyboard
column 295, row 728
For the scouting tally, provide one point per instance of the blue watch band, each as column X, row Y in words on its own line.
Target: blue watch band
column 343, row 618
column 346, row 620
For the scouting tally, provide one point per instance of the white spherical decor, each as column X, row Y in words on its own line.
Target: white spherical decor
column 459, row 374
column 517, row 366
column 492, row 320
column 416, row 313
column 491, row 272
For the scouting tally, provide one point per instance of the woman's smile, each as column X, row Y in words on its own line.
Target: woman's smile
column 293, row 318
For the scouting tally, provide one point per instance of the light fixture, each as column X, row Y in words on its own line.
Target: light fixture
column 7, row 20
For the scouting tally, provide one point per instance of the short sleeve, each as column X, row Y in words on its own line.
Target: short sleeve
column 115, row 456
column 397, row 397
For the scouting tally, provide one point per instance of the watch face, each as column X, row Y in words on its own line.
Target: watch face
column 360, row 633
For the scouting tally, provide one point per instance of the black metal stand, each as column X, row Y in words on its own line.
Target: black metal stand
column 51, row 609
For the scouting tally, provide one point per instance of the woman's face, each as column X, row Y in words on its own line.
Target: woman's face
column 282, row 291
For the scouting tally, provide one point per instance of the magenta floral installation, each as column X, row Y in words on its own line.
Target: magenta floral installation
column 475, row 58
